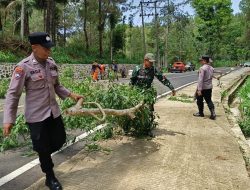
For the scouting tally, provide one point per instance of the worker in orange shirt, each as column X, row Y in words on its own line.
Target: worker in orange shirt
column 95, row 71
column 102, row 70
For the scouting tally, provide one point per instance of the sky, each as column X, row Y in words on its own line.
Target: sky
column 188, row 8
column 235, row 6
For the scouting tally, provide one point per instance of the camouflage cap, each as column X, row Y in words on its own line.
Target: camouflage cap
column 150, row 57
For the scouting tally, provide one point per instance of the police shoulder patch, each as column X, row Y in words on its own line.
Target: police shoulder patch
column 19, row 69
column 18, row 72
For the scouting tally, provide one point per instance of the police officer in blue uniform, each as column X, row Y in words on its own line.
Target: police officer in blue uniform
column 38, row 75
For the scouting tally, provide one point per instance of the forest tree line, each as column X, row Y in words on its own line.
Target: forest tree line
column 85, row 30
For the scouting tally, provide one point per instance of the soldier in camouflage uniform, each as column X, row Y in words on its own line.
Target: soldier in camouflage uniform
column 143, row 77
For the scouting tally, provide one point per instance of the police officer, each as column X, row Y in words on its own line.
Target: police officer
column 38, row 74
column 143, row 76
column 115, row 69
column 204, row 87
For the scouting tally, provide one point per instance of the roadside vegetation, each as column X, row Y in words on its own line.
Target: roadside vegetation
column 4, row 85
column 244, row 94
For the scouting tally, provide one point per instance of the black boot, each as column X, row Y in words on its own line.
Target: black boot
column 198, row 114
column 200, row 105
column 53, row 184
column 213, row 115
column 151, row 134
column 51, row 181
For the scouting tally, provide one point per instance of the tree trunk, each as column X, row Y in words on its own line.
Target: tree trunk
column 100, row 28
column 50, row 19
column 1, row 24
column 53, row 22
column 26, row 23
column 22, row 18
column 111, row 45
column 85, row 25
column 48, row 16
column 64, row 25
column 44, row 18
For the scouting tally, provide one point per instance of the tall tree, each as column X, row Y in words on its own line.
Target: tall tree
column 85, row 25
column 105, row 8
column 50, row 15
column 3, row 5
column 23, row 17
column 245, row 7
column 101, row 18
column 213, row 19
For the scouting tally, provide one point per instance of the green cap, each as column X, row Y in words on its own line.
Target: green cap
column 150, row 57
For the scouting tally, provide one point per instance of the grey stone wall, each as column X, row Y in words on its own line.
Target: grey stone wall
column 80, row 71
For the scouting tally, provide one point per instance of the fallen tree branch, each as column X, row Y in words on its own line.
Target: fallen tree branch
column 78, row 110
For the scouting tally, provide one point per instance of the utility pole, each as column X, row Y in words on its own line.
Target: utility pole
column 157, row 36
column 143, row 29
column 156, row 26
column 166, row 36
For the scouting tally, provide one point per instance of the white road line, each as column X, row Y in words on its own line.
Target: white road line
column 167, row 93
column 33, row 163
column 5, row 179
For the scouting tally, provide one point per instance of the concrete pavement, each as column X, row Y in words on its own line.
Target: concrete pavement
column 187, row 153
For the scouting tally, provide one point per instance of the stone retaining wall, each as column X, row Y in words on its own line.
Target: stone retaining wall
column 80, row 70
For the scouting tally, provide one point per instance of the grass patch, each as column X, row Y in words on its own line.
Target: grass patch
column 244, row 94
column 183, row 98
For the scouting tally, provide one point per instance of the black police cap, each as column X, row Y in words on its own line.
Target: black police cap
column 41, row 38
column 205, row 57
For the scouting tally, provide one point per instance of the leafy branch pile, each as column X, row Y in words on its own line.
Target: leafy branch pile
column 114, row 96
column 245, row 108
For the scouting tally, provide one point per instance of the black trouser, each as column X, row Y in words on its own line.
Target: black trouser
column 207, row 95
column 47, row 137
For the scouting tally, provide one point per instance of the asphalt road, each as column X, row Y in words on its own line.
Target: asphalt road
column 13, row 159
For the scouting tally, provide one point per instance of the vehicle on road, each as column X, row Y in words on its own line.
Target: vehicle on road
column 178, row 67
column 190, row 66
column 247, row 64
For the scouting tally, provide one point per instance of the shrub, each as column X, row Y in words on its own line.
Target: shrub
column 244, row 94
column 4, row 83
column 18, row 136
column 8, row 57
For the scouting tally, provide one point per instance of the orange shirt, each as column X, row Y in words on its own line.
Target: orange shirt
column 102, row 68
column 95, row 74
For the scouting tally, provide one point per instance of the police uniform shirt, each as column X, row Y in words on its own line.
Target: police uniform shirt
column 41, row 85
column 205, row 77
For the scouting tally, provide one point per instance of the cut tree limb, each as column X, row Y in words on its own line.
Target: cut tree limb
column 78, row 110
